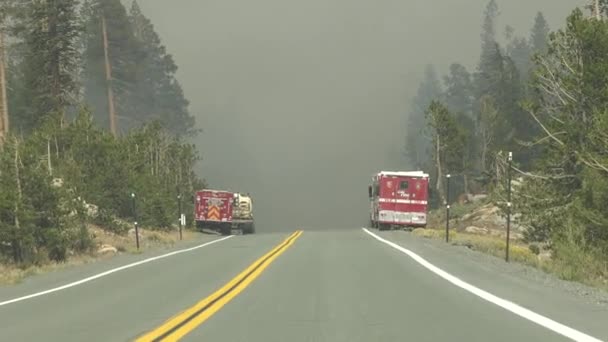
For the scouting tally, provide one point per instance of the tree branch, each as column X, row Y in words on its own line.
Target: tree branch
column 544, row 128
column 594, row 163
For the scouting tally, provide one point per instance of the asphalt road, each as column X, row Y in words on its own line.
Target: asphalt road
column 324, row 286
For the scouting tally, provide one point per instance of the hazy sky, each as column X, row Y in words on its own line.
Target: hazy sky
column 301, row 101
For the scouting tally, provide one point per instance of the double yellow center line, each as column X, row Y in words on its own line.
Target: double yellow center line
column 183, row 323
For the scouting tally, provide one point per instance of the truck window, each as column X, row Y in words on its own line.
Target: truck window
column 404, row 185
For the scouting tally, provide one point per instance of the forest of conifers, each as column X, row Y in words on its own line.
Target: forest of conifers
column 545, row 99
column 91, row 113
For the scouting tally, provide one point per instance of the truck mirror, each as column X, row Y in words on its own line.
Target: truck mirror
column 369, row 191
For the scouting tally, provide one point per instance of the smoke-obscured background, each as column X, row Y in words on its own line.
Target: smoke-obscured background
column 302, row 101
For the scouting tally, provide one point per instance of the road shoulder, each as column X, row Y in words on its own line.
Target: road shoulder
column 576, row 305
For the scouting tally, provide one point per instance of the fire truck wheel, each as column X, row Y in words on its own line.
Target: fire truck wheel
column 225, row 230
column 382, row 226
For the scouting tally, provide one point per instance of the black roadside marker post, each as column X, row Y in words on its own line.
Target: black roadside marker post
column 510, row 160
column 181, row 215
column 447, row 209
column 135, row 220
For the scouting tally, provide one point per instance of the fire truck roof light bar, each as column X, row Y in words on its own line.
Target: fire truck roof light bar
column 404, row 173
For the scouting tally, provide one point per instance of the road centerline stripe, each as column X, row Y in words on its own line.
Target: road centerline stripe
column 189, row 319
column 111, row 271
column 503, row 303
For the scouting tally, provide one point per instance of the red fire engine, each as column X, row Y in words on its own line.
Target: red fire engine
column 224, row 211
column 213, row 209
column 399, row 199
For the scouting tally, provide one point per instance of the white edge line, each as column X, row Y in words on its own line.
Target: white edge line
column 505, row 304
column 114, row 270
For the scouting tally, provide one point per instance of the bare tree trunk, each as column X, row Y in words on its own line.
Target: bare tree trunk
column 18, row 255
column 484, row 153
column 151, row 152
column 3, row 97
column 108, row 67
column 56, row 148
column 596, row 10
column 439, row 184
column 17, row 182
column 48, row 151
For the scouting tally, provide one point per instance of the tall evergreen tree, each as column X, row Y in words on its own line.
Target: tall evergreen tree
column 488, row 34
column 539, row 36
column 124, row 54
column 417, row 145
column 51, row 62
column 459, row 92
column 158, row 95
column 499, row 78
column 459, row 98
column 448, row 144
column 566, row 203
column 520, row 52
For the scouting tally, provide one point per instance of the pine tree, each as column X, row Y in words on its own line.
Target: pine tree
column 158, row 94
column 459, row 97
column 520, row 52
column 566, row 202
column 124, row 53
column 458, row 93
column 498, row 77
column 417, row 145
column 539, row 36
column 448, row 144
column 488, row 30
column 51, row 60
column 490, row 52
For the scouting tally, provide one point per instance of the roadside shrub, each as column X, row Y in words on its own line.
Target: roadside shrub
column 109, row 222
column 534, row 249
column 573, row 263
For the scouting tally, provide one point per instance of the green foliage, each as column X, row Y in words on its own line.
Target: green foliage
column 56, row 160
column 543, row 98
column 418, row 145
column 459, row 89
column 158, row 95
column 46, row 177
column 124, row 52
column 539, row 36
column 564, row 204
column 143, row 73
column 50, row 31
column 110, row 222
column 448, row 142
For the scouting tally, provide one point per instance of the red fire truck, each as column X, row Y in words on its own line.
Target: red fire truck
column 223, row 211
column 399, row 199
column 213, row 210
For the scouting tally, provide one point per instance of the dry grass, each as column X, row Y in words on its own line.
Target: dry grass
column 573, row 265
column 488, row 244
column 149, row 239
column 12, row 274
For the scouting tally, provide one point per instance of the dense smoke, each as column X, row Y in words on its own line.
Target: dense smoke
column 301, row 101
